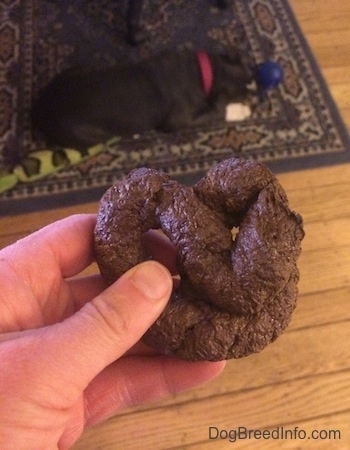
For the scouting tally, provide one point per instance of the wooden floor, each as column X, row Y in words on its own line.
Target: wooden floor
column 302, row 380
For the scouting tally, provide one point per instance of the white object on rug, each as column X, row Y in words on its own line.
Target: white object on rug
column 237, row 111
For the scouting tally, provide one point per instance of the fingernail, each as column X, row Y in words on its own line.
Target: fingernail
column 153, row 280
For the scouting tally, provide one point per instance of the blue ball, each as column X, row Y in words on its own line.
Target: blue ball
column 269, row 75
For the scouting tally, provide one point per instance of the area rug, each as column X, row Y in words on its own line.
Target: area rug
column 296, row 126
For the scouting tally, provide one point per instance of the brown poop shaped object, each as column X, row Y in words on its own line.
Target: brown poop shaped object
column 237, row 293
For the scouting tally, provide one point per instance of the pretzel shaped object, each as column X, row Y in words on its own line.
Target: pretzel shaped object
column 237, row 290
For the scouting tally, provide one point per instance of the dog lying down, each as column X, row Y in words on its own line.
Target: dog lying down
column 170, row 91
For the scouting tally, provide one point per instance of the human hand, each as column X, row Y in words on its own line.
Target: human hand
column 68, row 346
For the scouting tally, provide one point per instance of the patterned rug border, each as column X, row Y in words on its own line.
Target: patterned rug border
column 326, row 159
column 76, row 188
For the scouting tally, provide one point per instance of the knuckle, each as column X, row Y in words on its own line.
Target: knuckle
column 115, row 322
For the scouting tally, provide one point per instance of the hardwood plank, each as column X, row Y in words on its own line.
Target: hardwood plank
column 322, row 203
column 326, row 234
column 307, row 7
column 341, row 94
column 316, row 177
column 316, row 16
column 332, row 54
column 337, row 75
column 267, row 407
column 330, row 40
column 316, row 275
column 321, row 308
column 311, row 22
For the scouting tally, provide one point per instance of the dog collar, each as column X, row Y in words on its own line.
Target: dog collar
column 206, row 69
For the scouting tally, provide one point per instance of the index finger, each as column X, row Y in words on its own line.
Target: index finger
column 66, row 245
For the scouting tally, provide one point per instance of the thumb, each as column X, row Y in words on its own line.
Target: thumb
column 105, row 328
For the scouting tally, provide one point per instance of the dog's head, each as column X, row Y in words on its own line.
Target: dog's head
column 231, row 78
